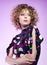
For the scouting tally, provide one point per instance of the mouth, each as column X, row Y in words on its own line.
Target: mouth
column 25, row 20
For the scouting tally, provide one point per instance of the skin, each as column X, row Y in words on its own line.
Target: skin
column 24, row 19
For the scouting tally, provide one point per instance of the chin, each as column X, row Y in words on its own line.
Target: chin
column 26, row 25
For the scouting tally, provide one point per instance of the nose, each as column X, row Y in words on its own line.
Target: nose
column 25, row 16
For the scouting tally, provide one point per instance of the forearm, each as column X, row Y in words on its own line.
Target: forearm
column 10, row 60
column 34, row 51
column 19, row 61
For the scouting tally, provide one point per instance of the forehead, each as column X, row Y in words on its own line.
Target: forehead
column 25, row 10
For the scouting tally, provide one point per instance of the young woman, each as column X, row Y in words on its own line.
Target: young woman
column 26, row 45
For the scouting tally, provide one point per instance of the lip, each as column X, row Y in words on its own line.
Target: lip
column 25, row 20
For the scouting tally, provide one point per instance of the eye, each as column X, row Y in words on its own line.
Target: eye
column 22, row 14
column 28, row 14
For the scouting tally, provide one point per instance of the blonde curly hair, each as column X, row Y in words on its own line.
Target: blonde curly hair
column 16, row 12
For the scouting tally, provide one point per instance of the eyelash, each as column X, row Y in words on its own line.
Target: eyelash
column 23, row 14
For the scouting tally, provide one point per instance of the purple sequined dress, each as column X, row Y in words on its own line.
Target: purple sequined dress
column 22, row 43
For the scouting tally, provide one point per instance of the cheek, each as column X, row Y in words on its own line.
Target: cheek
column 29, row 18
column 21, row 18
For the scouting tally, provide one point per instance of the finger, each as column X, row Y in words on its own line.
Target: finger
column 29, row 62
column 32, row 60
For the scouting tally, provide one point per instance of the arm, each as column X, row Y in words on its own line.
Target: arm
column 33, row 55
column 10, row 60
column 34, row 51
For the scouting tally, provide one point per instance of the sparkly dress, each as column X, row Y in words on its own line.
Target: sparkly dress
column 22, row 43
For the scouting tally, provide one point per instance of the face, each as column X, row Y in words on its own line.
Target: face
column 24, row 17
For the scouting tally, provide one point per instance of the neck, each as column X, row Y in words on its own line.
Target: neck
column 24, row 27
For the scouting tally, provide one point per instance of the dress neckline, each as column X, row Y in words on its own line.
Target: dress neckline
column 28, row 28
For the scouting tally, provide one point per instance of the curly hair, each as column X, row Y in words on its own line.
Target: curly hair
column 16, row 12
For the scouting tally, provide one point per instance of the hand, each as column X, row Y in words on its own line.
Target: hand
column 30, row 57
column 26, row 60
column 23, row 61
